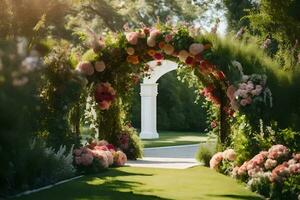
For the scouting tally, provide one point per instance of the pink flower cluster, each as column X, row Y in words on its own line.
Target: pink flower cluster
column 286, row 169
column 210, row 93
column 253, row 166
column 88, row 69
column 104, row 95
column 217, row 159
column 269, row 162
column 278, row 151
column 101, row 153
column 244, row 94
column 123, row 140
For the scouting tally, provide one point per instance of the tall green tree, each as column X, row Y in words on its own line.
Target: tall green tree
column 236, row 10
column 113, row 14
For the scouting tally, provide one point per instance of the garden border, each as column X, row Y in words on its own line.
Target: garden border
column 45, row 187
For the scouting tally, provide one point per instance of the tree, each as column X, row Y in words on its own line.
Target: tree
column 32, row 18
column 236, row 10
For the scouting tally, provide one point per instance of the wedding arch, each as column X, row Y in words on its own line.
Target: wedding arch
column 118, row 61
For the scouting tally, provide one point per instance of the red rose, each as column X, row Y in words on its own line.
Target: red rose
column 158, row 56
column 189, row 60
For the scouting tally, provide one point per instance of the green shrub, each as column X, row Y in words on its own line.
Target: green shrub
column 130, row 143
column 205, row 153
column 36, row 166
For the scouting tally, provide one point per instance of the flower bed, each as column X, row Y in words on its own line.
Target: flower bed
column 98, row 156
column 274, row 173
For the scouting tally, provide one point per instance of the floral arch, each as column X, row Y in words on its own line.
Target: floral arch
column 117, row 62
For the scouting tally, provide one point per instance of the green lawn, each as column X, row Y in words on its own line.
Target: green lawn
column 169, row 138
column 129, row 183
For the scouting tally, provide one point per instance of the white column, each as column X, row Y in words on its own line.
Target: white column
column 148, row 111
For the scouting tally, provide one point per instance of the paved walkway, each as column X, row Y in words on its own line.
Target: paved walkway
column 173, row 157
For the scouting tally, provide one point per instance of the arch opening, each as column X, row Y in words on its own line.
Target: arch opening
column 149, row 92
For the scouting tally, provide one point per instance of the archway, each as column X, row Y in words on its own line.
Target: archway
column 149, row 91
column 116, row 63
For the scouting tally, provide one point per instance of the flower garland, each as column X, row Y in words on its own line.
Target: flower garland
column 174, row 43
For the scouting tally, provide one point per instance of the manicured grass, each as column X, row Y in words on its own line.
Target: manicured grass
column 129, row 183
column 169, row 138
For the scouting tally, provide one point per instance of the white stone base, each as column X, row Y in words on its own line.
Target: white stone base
column 149, row 135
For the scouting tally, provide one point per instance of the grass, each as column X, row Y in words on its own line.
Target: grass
column 129, row 183
column 169, row 138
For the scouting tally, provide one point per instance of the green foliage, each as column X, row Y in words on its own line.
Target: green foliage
column 19, row 108
column 271, row 135
column 205, row 153
column 60, row 92
column 286, row 190
column 33, row 18
column 243, row 140
column 36, row 166
column 248, row 141
column 267, row 19
column 236, row 10
column 113, row 14
column 261, row 185
column 130, row 143
column 290, row 189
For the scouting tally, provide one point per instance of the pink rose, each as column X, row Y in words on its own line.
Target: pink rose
column 100, row 66
column 216, row 160
column 132, row 38
column 269, row 164
column 279, row 172
column 154, row 33
column 183, row 54
column 110, row 157
column 87, row 159
column 196, row 48
column 243, row 169
column 229, row 154
column 297, row 157
column 294, row 168
column 151, row 42
column 101, row 156
column 85, row 68
column 120, row 158
column 168, row 38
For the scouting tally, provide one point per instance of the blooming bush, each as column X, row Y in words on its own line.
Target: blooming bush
column 266, row 172
column 251, row 90
column 129, row 142
column 222, row 161
column 97, row 156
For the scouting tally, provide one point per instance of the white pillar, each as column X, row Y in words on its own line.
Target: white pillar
column 148, row 111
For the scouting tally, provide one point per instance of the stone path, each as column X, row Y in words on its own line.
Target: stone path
column 173, row 157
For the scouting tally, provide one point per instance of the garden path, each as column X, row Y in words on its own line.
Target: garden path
column 172, row 157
